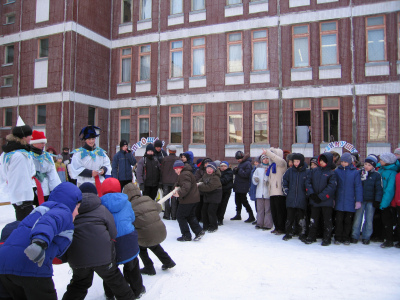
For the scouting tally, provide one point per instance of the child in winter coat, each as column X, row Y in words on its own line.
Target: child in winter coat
column 349, row 196
column 260, row 179
column 396, row 204
column 321, row 187
column 388, row 170
column 294, row 187
column 61, row 168
column 227, row 184
column 372, row 197
column 211, row 187
column 253, row 187
column 92, row 249
column 151, row 230
column 127, row 246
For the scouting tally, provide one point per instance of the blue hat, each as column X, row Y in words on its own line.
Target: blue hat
column 178, row 164
column 212, row 165
column 371, row 160
column 346, row 157
column 88, row 187
column 89, row 132
column 224, row 163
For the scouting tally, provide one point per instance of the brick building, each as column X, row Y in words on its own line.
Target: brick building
column 212, row 77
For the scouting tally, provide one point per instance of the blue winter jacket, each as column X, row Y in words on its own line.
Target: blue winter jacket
column 349, row 188
column 189, row 156
column 253, row 187
column 127, row 245
column 322, row 181
column 294, row 186
column 242, row 173
column 372, row 187
column 388, row 174
column 122, row 165
column 50, row 222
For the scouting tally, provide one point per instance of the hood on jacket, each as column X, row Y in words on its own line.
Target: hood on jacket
column 392, row 167
column 67, row 194
column 246, row 157
column 190, row 154
column 115, row 202
column 89, row 202
column 329, row 159
column 205, row 160
column 277, row 152
column 132, row 191
column 7, row 230
column 111, row 185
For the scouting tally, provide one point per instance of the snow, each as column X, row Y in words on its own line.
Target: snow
column 240, row 262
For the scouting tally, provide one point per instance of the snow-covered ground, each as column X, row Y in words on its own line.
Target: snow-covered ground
column 240, row 262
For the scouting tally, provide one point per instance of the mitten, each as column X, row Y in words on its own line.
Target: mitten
column 256, row 179
column 358, row 205
column 35, row 251
column 376, row 204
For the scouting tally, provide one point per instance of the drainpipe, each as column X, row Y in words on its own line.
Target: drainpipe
column 353, row 89
column 62, row 80
column 159, row 70
column 280, row 99
column 109, row 79
column 19, row 58
column 76, row 49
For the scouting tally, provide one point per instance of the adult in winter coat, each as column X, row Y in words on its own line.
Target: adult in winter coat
column 201, row 170
column 26, row 257
column 349, row 196
column 227, row 185
column 241, row 185
column 168, row 179
column 159, row 153
column 126, row 245
column 294, row 188
column 321, row 188
column 188, row 196
column 148, row 173
column 122, row 164
column 211, row 187
column 151, row 230
column 92, row 250
column 277, row 168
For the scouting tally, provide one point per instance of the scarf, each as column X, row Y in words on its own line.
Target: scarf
column 273, row 167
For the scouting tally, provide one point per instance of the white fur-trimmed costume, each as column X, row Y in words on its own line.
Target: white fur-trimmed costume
column 47, row 176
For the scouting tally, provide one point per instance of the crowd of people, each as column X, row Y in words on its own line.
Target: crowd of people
column 79, row 208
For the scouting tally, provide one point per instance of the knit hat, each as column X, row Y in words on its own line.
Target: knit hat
column 178, row 164
column 89, row 132
column 212, row 165
column 217, row 163
column 21, row 130
column 374, row 155
column 262, row 157
column 397, row 151
column 65, row 148
column 239, row 155
column 289, row 157
column 150, row 147
column 388, row 158
column 257, row 159
column 88, row 187
column 224, row 163
column 347, row 157
column 110, row 185
column 123, row 143
column 371, row 160
column 38, row 137
column 172, row 148
column 59, row 156
column 158, row 143
column 314, row 160
column 199, row 161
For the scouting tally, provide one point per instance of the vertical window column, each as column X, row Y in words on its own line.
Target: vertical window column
column 198, row 11
column 330, row 123
column 124, row 124
column 259, row 63
column 125, row 86
column 198, row 63
column 144, row 83
column 198, row 141
column 176, row 16
column 176, row 66
column 234, row 74
column 302, row 127
column 42, row 64
column 376, row 57
column 378, row 125
column 145, row 11
column 301, row 69
column 235, row 129
column 42, row 10
column 175, row 127
column 329, row 51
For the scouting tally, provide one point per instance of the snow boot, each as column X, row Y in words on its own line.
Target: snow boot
column 211, row 230
column 219, row 223
column 199, row 235
column 257, row 227
column 142, row 292
column 387, row 244
column 302, row 237
column 287, row 237
column 236, row 218
column 326, row 242
column 254, row 223
column 184, row 239
column 265, row 228
column 309, row 241
column 366, row 242
column 148, row 271
column 346, row 242
column 168, row 266
column 279, row 232
column 338, row 241
column 354, row 241
column 251, row 218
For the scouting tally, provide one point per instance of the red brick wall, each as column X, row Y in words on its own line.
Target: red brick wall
column 56, row 14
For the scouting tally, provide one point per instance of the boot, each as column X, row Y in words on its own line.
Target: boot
column 236, row 218
column 287, row 237
column 387, row 244
column 251, row 218
column 168, row 266
column 148, row 271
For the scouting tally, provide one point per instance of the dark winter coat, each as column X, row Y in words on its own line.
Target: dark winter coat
column 211, row 187
column 294, row 186
column 160, row 155
column 322, row 181
column 227, row 180
column 126, row 246
column 372, row 187
column 122, row 165
column 202, row 169
column 189, row 193
column 148, row 171
column 168, row 175
column 50, row 222
column 151, row 230
column 253, row 187
column 242, row 175
column 388, row 174
column 349, row 188
column 95, row 230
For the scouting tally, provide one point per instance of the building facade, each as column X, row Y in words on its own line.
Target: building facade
column 212, row 77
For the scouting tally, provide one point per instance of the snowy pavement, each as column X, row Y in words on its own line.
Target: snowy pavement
column 240, row 262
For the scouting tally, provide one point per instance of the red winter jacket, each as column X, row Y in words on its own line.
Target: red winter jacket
column 396, row 200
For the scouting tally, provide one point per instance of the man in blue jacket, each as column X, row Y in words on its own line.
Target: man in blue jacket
column 122, row 164
column 26, row 257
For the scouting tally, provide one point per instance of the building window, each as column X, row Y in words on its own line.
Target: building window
column 260, row 122
column 329, row 43
column 145, row 9
column 198, row 56
column 8, row 81
column 10, row 1
column 230, row 2
column 302, row 122
column 91, row 115
column 330, row 122
column 124, row 124
column 8, row 117
column 9, row 54
column 144, row 62
column 300, row 46
column 144, row 122
column 235, row 63
column 198, row 124
column 198, row 5
column 126, row 57
column 10, row 19
column 176, row 124
column 176, row 70
column 376, row 36
column 235, row 123
column 259, row 48
column 377, row 119
column 41, row 115
column 126, row 11
column 43, row 48
column 176, row 7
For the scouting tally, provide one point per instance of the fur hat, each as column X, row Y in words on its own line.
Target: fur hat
column 371, row 160
column 150, row 147
column 289, row 157
column 347, row 157
column 388, row 158
column 38, row 137
column 21, row 130
column 178, row 164
column 89, row 132
column 123, row 143
column 110, row 185
column 158, row 143
column 297, row 156
column 88, row 187
column 212, row 165
column 239, row 155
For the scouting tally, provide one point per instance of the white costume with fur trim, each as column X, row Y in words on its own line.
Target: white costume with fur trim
column 44, row 164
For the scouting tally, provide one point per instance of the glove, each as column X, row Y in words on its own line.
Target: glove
column 315, row 198
column 358, row 205
column 376, row 204
column 141, row 187
column 256, row 179
column 35, row 251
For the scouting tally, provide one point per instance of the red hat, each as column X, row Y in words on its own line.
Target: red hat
column 110, row 185
column 38, row 137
